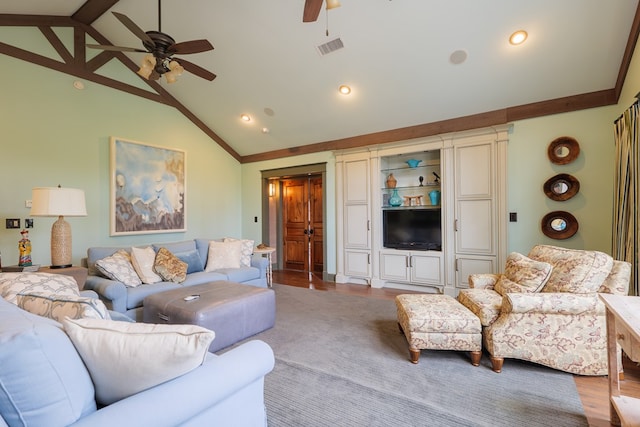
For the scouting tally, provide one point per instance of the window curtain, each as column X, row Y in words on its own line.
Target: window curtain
column 626, row 192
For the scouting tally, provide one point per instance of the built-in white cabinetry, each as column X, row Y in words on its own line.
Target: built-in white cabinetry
column 468, row 173
column 353, row 176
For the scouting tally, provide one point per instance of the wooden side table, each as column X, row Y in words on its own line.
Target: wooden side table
column 623, row 328
column 78, row 273
column 266, row 252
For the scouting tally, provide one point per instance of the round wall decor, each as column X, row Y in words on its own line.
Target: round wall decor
column 559, row 225
column 561, row 187
column 563, row 150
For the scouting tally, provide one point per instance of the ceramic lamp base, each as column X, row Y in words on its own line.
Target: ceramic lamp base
column 60, row 244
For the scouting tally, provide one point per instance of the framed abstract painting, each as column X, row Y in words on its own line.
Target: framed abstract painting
column 148, row 188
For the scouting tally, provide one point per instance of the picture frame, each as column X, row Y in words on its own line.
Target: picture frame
column 148, row 187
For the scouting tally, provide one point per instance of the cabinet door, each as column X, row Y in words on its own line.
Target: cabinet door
column 426, row 269
column 357, row 263
column 393, row 266
column 356, row 181
column 356, row 227
column 472, row 265
column 474, row 227
column 475, row 170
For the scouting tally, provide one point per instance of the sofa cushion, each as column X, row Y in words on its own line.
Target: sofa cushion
column 574, row 270
column 522, row 274
column 126, row 358
column 240, row 275
column 223, row 255
column 43, row 380
column 142, row 260
column 58, row 307
column 169, row 266
column 192, row 258
column 118, row 267
column 484, row 303
column 176, row 247
column 246, row 250
column 12, row 284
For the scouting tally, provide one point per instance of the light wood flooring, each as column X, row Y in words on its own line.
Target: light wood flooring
column 594, row 391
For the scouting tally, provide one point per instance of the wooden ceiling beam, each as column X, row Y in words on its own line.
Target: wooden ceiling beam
column 92, row 10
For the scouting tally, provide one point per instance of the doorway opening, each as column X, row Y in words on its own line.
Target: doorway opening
column 294, row 212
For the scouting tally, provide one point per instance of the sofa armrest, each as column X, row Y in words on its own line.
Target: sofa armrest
column 483, row 280
column 260, row 262
column 179, row 400
column 553, row 303
column 111, row 292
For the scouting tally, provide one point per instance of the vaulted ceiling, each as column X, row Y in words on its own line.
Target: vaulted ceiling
column 401, row 58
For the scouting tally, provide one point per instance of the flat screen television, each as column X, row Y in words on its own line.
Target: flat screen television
column 419, row 229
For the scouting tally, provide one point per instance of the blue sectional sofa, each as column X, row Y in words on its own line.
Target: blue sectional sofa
column 45, row 382
column 128, row 300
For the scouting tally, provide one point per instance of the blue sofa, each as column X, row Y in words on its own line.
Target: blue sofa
column 128, row 300
column 43, row 382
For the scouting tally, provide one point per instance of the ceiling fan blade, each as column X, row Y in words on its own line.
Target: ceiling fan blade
column 311, row 10
column 193, row 46
column 196, row 69
column 114, row 48
column 131, row 26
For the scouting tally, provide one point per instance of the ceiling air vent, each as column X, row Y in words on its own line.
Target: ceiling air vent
column 330, row 46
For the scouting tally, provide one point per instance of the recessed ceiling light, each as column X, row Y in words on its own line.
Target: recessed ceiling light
column 78, row 84
column 245, row 117
column 265, row 130
column 518, row 37
column 344, row 89
column 458, row 57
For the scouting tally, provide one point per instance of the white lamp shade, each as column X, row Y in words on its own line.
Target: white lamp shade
column 56, row 201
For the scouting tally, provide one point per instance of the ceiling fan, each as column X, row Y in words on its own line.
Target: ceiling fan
column 312, row 9
column 160, row 48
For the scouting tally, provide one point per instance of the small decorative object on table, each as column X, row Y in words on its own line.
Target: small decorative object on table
column 421, row 179
column 413, row 163
column 435, row 197
column 24, row 246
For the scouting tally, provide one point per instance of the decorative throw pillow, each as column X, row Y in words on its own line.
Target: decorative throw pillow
column 193, row 260
column 126, row 358
column 522, row 274
column 169, row 267
column 245, row 252
column 118, row 267
column 58, row 307
column 223, row 255
column 142, row 260
column 12, row 284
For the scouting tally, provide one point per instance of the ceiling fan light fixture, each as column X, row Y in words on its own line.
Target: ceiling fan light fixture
column 176, row 71
column 518, row 37
column 332, row 4
column 146, row 68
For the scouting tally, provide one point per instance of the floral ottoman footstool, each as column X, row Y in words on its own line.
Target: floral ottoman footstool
column 438, row 322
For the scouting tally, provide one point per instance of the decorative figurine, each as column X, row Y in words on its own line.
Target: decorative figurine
column 421, row 178
column 24, row 246
column 437, row 177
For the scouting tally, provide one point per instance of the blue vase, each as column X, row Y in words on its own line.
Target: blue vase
column 395, row 199
column 435, row 197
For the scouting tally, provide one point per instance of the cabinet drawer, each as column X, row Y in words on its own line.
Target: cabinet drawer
column 626, row 341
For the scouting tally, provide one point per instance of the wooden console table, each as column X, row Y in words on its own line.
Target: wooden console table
column 623, row 328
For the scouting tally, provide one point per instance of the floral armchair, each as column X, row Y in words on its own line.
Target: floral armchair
column 545, row 308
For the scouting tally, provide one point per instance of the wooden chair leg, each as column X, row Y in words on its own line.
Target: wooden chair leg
column 475, row 357
column 414, row 355
column 496, row 363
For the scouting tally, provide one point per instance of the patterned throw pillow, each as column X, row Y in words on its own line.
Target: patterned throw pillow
column 118, row 267
column 125, row 358
column 12, row 284
column 169, row 266
column 223, row 255
column 142, row 260
column 58, row 307
column 522, row 274
column 245, row 252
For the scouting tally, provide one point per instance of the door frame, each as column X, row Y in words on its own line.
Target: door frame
column 273, row 227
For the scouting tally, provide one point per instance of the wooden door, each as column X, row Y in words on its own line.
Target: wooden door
column 303, row 224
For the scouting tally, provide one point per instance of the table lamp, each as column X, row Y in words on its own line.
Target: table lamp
column 60, row 202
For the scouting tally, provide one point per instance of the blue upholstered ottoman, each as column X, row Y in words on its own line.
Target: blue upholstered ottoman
column 232, row 310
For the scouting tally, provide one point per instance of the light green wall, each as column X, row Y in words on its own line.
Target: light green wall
column 54, row 134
